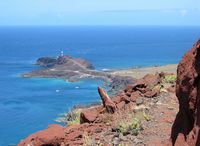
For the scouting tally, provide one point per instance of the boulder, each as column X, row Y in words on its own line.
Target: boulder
column 152, row 80
column 139, row 101
column 139, row 84
column 186, row 128
column 134, row 96
column 88, row 115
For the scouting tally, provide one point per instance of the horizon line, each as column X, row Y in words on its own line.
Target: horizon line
column 79, row 25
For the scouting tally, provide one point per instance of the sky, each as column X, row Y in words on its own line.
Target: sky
column 100, row 12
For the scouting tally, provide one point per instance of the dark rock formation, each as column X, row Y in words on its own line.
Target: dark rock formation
column 186, row 128
column 67, row 61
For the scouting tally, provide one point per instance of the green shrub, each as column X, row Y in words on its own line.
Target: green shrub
column 170, row 78
column 70, row 118
column 130, row 127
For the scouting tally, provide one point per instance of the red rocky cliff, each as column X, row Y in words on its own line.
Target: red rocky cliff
column 185, row 131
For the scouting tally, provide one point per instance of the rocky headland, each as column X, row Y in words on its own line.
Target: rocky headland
column 75, row 69
column 144, row 113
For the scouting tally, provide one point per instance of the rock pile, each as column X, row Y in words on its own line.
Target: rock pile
column 148, row 87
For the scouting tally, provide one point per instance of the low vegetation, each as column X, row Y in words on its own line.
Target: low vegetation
column 133, row 124
column 70, row 118
column 130, row 127
column 170, row 78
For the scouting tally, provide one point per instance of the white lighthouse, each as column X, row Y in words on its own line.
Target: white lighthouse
column 61, row 53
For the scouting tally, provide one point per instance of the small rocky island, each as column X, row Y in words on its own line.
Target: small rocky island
column 76, row 69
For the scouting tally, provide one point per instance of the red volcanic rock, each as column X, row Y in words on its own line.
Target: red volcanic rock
column 53, row 135
column 151, row 79
column 151, row 93
column 88, row 115
column 139, row 84
column 134, row 96
column 187, row 121
column 125, row 97
column 129, row 89
column 171, row 89
column 107, row 102
column 74, row 133
column 121, row 105
column 117, row 99
column 56, row 135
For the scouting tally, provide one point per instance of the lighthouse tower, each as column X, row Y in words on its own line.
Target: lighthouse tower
column 61, row 53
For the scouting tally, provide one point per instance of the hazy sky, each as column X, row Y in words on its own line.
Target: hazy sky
column 100, row 12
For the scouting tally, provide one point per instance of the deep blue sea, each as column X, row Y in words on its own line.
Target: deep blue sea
column 30, row 104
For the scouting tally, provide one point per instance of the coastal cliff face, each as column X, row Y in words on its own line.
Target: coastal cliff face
column 186, row 128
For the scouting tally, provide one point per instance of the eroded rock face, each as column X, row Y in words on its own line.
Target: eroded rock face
column 186, row 127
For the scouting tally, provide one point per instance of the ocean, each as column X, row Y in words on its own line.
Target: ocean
column 30, row 104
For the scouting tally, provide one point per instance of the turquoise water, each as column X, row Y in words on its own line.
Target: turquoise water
column 30, row 104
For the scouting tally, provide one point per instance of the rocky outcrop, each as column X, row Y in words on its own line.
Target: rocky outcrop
column 89, row 115
column 131, row 94
column 107, row 102
column 53, row 135
column 56, row 135
column 186, row 128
